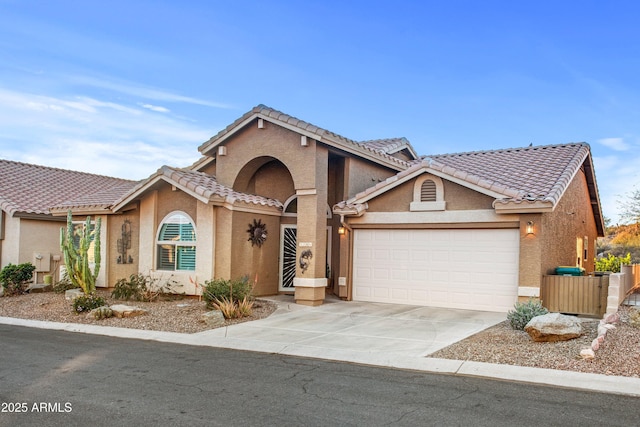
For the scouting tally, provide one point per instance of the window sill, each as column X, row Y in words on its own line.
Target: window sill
column 427, row 206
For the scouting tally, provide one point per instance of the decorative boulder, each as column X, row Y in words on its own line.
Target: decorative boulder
column 553, row 327
column 213, row 318
column 121, row 310
column 39, row 288
column 587, row 353
column 72, row 294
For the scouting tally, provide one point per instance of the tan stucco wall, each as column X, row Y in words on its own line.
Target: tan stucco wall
column 11, row 243
column 554, row 241
column 259, row 264
column 272, row 180
column 531, row 256
column 169, row 201
column 271, row 142
column 573, row 218
column 456, row 197
column 25, row 237
column 461, row 198
column 123, row 270
column 361, row 174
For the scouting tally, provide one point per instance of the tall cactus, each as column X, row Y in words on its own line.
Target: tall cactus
column 76, row 259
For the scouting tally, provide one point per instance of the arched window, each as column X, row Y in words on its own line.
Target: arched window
column 176, row 243
column 428, row 194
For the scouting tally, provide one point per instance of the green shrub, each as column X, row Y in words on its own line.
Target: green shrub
column 86, row 303
column 232, row 290
column 139, row 287
column 612, row 263
column 14, row 278
column 523, row 312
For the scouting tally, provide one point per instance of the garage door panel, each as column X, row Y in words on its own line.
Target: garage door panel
column 474, row 269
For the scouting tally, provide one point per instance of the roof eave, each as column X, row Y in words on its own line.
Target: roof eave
column 523, row 206
column 208, row 148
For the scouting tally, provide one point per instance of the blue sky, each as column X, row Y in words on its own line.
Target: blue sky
column 121, row 88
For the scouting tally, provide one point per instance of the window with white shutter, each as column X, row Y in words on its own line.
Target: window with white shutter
column 176, row 243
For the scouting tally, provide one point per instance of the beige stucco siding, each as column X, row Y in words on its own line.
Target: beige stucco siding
column 25, row 237
column 461, row 198
column 572, row 219
column 11, row 243
column 361, row 174
column 456, row 197
column 259, row 264
column 250, row 144
column 170, row 201
column 123, row 269
column 272, row 180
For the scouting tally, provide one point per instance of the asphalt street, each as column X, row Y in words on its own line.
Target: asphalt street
column 55, row 378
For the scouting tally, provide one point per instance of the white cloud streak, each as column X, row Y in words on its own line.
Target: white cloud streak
column 617, row 144
column 88, row 134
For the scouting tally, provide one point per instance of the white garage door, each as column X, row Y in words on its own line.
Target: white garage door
column 470, row 269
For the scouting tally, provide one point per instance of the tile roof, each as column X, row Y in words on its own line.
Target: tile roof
column 202, row 185
column 528, row 174
column 540, row 173
column 34, row 189
column 379, row 150
column 390, row 145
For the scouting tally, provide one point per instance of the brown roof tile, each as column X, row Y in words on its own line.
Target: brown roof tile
column 34, row 189
column 323, row 135
column 532, row 173
column 540, row 173
column 201, row 184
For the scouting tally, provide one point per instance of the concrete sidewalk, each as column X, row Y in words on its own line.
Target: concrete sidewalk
column 386, row 335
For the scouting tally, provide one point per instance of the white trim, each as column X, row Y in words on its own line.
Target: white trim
column 286, row 204
column 528, row 291
column 434, row 217
column 427, row 206
column 308, row 282
column 524, row 207
column 306, row 192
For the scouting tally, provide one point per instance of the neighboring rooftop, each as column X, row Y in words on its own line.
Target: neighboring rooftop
column 32, row 189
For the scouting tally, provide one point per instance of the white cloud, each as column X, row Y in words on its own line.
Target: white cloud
column 617, row 144
column 143, row 92
column 155, row 108
column 92, row 135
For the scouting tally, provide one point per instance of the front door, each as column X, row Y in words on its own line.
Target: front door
column 288, row 243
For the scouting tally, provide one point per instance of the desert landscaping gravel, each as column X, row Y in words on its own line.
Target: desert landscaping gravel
column 177, row 314
column 618, row 355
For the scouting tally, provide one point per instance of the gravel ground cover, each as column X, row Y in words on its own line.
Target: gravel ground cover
column 178, row 314
column 619, row 354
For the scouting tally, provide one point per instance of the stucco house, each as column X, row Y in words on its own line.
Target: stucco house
column 299, row 209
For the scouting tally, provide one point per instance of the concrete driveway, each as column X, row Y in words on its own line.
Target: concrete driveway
column 364, row 332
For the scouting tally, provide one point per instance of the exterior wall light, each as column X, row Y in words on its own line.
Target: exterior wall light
column 530, row 227
column 341, row 230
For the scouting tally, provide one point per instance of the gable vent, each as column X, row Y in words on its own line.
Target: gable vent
column 428, row 191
